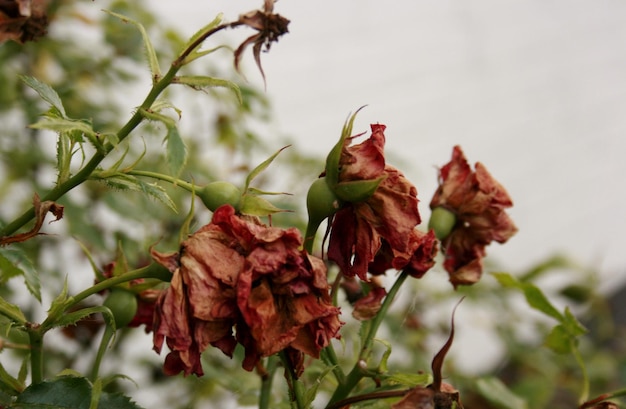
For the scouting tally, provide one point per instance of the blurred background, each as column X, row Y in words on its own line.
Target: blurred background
column 535, row 90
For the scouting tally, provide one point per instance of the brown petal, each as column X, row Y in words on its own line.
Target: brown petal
column 41, row 209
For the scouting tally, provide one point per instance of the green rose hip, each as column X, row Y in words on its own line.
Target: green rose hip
column 123, row 306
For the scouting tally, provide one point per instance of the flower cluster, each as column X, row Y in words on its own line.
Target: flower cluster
column 238, row 281
column 477, row 202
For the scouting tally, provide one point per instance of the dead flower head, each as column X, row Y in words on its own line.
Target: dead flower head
column 270, row 27
column 237, row 281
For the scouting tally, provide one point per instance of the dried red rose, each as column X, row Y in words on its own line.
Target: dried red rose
column 478, row 202
column 238, row 281
column 379, row 232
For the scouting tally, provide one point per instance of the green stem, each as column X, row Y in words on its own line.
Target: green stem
column 104, row 344
column 266, row 383
column 153, row 270
column 330, row 358
column 584, row 393
column 298, row 391
column 360, row 367
column 380, row 316
column 35, row 335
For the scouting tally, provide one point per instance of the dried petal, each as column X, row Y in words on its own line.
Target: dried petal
column 41, row 209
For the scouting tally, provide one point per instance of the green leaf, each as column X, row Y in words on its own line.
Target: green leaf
column 58, row 305
column 410, row 379
column 73, row 317
column 64, row 157
column 8, row 269
column 498, row 394
column 8, row 383
column 161, row 104
column 176, row 149
column 153, row 62
column 123, row 181
column 260, row 168
column 12, row 312
column 559, row 340
column 534, row 296
column 382, row 366
column 311, row 393
column 15, row 262
column 200, row 82
column 68, row 392
column 46, row 92
column 64, row 125
column 572, row 324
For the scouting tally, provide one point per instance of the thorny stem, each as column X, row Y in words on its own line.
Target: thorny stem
column 296, row 387
column 359, row 370
column 266, row 383
column 160, row 176
column 104, row 344
column 35, row 336
column 153, row 270
column 367, row 396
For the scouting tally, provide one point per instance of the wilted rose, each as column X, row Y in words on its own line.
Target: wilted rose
column 378, row 233
column 478, row 202
column 239, row 281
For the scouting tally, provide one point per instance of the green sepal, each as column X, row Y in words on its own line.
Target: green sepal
column 333, row 158
column 356, row 191
column 257, row 206
column 194, row 54
column 261, row 167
